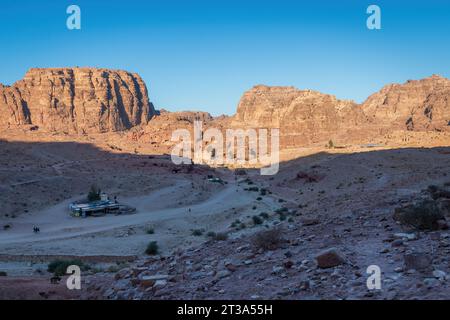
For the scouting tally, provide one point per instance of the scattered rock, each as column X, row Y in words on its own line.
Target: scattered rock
column 277, row 269
column 310, row 221
column 417, row 261
column 223, row 274
column 397, row 243
column 441, row 275
column 329, row 258
column 406, row 236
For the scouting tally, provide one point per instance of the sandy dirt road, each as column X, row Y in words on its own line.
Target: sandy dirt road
column 158, row 208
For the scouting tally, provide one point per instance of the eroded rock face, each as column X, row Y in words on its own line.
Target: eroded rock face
column 306, row 117
column 76, row 100
column 303, row 116
column 416, row 105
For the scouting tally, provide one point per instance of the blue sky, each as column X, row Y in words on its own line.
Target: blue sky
column 202, row 55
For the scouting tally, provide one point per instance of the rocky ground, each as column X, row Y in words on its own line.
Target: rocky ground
column 359, row 185
column 328, row 237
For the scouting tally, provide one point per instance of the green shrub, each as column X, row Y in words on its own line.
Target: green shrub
column 150, row 231
column 264, row 215
column 220, row 236
column 282, row 210
column 94, row 193
column 235, row 223
column 257, row 220
column 59, row 267
column 152, row 248
column 268, row 239
column 197, row 232
column 330, row 144
column 423, row 215
column 3, row 274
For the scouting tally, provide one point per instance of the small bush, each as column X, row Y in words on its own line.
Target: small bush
column 94, row 193
column 438, row 192
column 264, row 215
column 3, row 274
column 268, row 239
column 258, row 199
column 257, row 220
column 150, row 231
column 330, row 144
column 221, row 236
column 235, row 223
column 59, row 267
column 152, row 248
column 282, row 210
column 423, row 215
column 197, row 232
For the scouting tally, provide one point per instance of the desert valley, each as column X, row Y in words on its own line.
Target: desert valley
column 358, row 185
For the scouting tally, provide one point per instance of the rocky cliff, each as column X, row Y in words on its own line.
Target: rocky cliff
column 416, row 105
column 88, row 100
column 76, row 100
column 303, row 116
column 306, row 116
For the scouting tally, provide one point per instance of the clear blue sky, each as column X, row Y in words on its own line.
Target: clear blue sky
column 203, row 54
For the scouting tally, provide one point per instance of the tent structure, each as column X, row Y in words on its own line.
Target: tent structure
column 93, row 208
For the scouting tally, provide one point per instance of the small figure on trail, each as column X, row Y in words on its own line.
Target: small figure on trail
column 115, row 199
column 36, row 229
column 55, row 280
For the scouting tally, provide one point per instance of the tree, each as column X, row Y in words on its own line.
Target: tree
column 330, row 144
column 94, row 193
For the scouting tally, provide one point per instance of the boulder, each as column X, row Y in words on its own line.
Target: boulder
column 419, row 261
column 329, row 258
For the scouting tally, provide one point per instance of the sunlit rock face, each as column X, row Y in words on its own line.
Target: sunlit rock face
column 76, row 100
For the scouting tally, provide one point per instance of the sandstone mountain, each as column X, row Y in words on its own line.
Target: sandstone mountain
column 76, row 100
column 416, row 105
column 89, row 100
column 303, row 116
column 306, row 116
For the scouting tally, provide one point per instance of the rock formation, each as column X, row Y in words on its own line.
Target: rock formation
column 88, row 100
column 76, row 100
column 303, row 116
column 416, row 105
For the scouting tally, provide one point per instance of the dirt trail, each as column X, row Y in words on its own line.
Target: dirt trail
column 56, row 224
